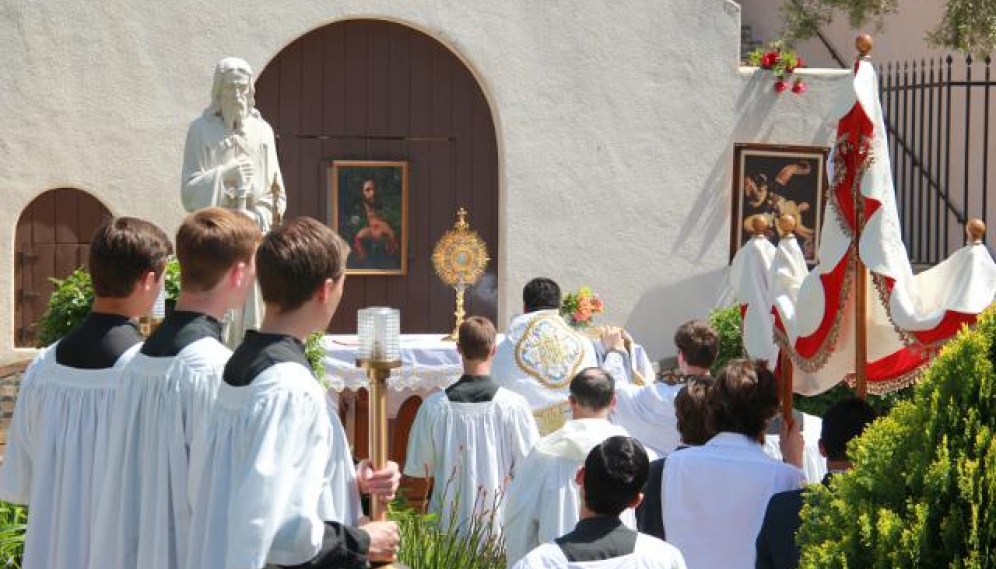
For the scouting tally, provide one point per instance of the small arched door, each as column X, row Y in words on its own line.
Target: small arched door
column 52, row 239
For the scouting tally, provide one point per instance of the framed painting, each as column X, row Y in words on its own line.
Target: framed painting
column 773, row 180
column 370, row 211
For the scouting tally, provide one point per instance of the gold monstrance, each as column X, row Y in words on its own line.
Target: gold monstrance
column 460, row 257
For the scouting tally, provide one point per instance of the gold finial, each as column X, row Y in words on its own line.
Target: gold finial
column 864, row 44
column 757, row 225
column 786, row 224
column 461, row 222
column 975, row 229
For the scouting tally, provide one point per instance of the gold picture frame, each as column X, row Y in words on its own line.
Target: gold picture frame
column 776, row 179
column 370, row 211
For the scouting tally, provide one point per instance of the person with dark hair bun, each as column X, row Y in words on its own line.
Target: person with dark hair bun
column 714, row 496
column 610, row 480
column 541, row 353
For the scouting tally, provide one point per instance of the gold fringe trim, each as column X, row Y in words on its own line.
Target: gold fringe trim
column 819, row 359
column 552, row 417
column 882, row 387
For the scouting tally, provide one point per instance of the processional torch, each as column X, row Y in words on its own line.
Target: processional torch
column 379, row 331
column 459, row 258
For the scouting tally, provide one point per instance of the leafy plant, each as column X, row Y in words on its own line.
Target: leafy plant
column 923, row 489
column 67, row 307
column 782, row 61
column 13, row 523
column 172, row 280
column 727, row 323
column 431, row 542
column 314, row 352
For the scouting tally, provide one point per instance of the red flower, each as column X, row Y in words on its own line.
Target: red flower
column 799, row 87
column 769, row 59
column 780, row 86
column 799, row 62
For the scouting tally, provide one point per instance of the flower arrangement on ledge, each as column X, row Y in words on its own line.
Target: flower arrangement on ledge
column 579, row 308
column 782, row 62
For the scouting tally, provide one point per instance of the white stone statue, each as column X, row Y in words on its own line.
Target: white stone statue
column 230, row 160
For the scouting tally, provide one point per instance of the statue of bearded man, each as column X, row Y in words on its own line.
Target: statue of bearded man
column 230, row 160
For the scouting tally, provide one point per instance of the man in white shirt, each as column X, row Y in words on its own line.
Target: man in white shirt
column 647, row 412
column 542, row 502
column 471, row 437
column 57, row 448
column 714, row 496
column 541, row 354
column 610, row 482
column 266, row 468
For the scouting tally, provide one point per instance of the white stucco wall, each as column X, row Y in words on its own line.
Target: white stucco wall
column 615, row 124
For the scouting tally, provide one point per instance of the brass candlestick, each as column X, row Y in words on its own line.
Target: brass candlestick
column 459, row 258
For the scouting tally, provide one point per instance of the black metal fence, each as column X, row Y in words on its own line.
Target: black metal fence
column 938, row 117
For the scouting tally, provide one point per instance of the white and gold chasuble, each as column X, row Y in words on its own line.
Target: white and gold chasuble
column 538, row 358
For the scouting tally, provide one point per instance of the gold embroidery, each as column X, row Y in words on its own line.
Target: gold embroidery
column 552, row 352
column 551, row 418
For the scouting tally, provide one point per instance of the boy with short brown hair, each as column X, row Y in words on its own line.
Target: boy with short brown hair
column 273, row 478
column 144, row 516
column 57, row 451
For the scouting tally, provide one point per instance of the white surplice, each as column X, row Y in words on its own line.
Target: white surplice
column 143, row 517
column 266, row 471
column 470, row 450
column 538, row 358
column 650, row 553
column 56, row 456
column 542, row 502
column 814, row 464
column 714, row 498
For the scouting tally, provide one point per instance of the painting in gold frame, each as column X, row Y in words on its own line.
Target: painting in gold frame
column 770, row 180
column 370, row 211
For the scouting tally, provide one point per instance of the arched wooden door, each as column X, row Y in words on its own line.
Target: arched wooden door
column 375, row 90
column 52, row 239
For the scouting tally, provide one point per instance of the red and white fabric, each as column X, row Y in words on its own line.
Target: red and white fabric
column 908, row 316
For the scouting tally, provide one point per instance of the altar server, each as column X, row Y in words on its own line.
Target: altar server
column 143, row 517
column 265, row 466
column 471, row 437
column 610, row 481
column 541, row 354
column 56, row 453
column 647, row 412
column 714, row 496
column 542, row 501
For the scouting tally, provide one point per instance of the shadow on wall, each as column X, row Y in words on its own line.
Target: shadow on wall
column 660, row 310
column 713, row 204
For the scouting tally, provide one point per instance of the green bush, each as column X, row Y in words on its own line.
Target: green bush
column 727, row 323
column 923, row 489
column 13, row 522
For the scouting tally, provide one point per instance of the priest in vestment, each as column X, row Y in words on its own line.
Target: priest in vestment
column 230, row 160
column 57, row 451
column 143, row 514
column 541, row 354
column 272, row 477
column 542, row 502
column 471, row 437
column 610, row 480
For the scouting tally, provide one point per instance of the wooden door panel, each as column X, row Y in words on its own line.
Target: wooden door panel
column 51, row 241
column 375, row 90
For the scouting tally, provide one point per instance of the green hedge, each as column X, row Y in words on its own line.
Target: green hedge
column 922, row 490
